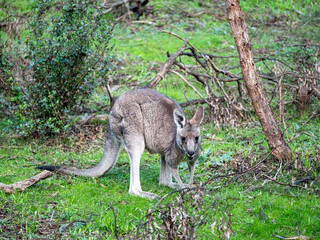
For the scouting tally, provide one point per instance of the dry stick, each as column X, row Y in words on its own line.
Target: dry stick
column 86, row 120
column 213, row 139
column 284, row 184
column 166, row 66
column 115, row 220
column 216, row 69
column 294, row 138
column 316, row 91
column 275, row 176
column 306, row 122
column 280, row 101
column 281, row 114
column 190, row 85
column 173, row 34
column 285, row 128
column 200, row 101
column 22, row 185
column 215, row 79
column 194, row 73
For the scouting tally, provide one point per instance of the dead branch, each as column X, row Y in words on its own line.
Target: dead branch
column 198, row 76
column 280, row 101
column 111, row 7
column 200, row 101
column 316, row 91
column 87, row 119
column 115, row 220
column 283, row 184
column 190, row 85
column 22, row 185
column 212, row 139
column 176, row 35
column 294, row 138
column 165, row 67
column 215, row 79
column 296, row 10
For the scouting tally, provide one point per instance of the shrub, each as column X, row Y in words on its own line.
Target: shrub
column 68, row 57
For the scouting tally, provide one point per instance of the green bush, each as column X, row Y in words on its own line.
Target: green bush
column 68, row 57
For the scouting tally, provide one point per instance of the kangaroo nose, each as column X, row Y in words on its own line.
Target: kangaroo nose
column 190, row 153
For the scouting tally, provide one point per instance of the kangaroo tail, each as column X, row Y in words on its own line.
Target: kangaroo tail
column 109, row 159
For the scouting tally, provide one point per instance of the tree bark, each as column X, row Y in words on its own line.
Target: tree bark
column 274, row 136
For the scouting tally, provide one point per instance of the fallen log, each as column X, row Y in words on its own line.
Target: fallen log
column 22, row 185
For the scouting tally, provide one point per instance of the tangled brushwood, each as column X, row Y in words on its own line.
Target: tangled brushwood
column 290, row 75
column 177, row 220
column 181, row 218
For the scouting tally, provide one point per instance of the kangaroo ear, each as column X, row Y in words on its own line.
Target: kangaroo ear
column 179, row 118
column 198, row 116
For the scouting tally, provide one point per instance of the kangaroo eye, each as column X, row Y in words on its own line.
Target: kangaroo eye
column 183, row 139
column 196, row 139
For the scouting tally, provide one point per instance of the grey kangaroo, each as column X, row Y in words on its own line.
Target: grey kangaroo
column 142, row 119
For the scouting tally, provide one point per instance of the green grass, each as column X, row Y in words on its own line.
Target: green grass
column 285, row 213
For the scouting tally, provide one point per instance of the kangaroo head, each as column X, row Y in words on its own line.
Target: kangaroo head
column 188, row 132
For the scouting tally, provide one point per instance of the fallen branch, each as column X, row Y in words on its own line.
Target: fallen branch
column 22, row 185
column 165, row 67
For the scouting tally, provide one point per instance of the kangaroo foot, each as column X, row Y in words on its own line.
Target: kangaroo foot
column 143, row 194
column 175, row 185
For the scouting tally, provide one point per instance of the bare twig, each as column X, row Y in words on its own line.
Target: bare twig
column 200, row 101
column 176, row 35
column 296, row 10
column 294, row 138
column 280, row 100
column 212, row 139
column 190, row 85
column 87, row 119
column 283, row 184
column 115, row 220
column 214, row 78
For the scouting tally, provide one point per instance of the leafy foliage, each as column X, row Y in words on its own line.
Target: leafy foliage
column 5, row 73
column 68, row 57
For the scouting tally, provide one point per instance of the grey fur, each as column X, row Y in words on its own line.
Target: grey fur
column 145, row 119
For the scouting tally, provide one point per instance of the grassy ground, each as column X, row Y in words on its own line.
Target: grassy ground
column 81, row 208
column 258, row 211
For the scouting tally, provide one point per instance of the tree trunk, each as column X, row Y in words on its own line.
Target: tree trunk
column 275, row 139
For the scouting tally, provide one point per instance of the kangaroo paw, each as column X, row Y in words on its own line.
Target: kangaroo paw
column 175, row 185
column 143, row 194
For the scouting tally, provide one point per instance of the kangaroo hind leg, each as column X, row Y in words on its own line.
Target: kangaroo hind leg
column 135, row 148
column 165, row 174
